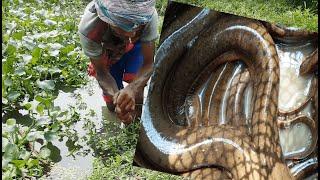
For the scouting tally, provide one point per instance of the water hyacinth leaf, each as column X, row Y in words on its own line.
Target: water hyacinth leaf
column 13, row 95
column 32, row 162
column 46, row 84
column 36, row 53
column 12, row 128
column 55, row 127
column 11, row 122
column 40, row 109
column 20, row 71
column 55, row 46
column 7, row 66
column 48, row 102
column 50, row 136
column 49, row 22
column 11, row 50
column 67, row 49
column 27, row 106
column 31, row 136
column 54, row 53
column 4, row 100
column 38, row 98
column 5, row 163
column 45, row 152
column 8, row 82
column 55, row 155
column 18, row 35
column 54, row 70
column 5, row 142
column 19, row 163
column 43, row 121
column 26, row 58
column 11, row 152
column 24, row 154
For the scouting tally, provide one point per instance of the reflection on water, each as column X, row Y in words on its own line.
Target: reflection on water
column 86, row 98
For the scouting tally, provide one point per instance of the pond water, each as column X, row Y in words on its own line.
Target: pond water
column 87, row 98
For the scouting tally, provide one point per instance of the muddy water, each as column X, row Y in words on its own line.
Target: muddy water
column 294, row 91
column 86, row 98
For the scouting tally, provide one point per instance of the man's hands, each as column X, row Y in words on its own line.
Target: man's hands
column 124, row 101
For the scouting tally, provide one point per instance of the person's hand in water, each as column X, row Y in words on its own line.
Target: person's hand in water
column 124, row 101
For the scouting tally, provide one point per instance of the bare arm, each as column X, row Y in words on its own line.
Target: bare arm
column 146, row 70
column 104, row 78
column 125, row 98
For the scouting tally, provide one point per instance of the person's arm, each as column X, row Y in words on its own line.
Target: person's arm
column 125, row 98
column 104, row 78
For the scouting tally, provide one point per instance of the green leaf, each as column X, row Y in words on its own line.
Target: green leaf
column 5, row 163
column 54, row 53
column 55, row 155
column 43, row 121
column 8, row 82
column 31, row 136
column 18, row 35
column 11, row 122
column 11, row 50
column 55, row 127
column 50, row 136
column 24, row 154
column 11, row 152
column 5, row 142
column 27, row 106
column 46, row 84
column 36, row 53
column 45, row 152
column 19, row 163
column 38, row 98
column 40, row 109
column 13, row 95
column 26, row 58
column 67, row 49
column 20, row 71
column 32, row 162
column 4, row 100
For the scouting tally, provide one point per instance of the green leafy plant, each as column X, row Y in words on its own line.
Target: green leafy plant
column 40, row 55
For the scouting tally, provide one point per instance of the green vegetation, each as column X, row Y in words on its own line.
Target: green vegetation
column 301, row 14
column 41, row 54
column 115, row 147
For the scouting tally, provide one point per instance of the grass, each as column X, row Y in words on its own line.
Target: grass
column 115, row 148
column 300, row 14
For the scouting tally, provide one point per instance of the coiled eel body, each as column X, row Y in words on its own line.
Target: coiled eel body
column 166, row 140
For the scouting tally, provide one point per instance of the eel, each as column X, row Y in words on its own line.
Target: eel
column 309, row 64
column 213, row 96
column 235, row 112
column 305, row 169
column 182, row 149
column 281, row 31
column 179, row 20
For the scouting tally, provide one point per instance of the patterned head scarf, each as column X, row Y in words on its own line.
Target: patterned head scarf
column 126, row 14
